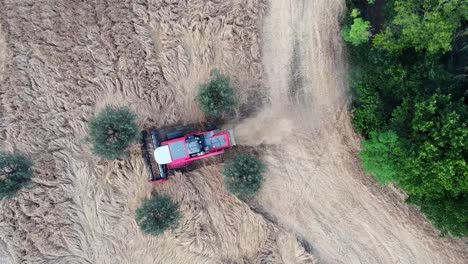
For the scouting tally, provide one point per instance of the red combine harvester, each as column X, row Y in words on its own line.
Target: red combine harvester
column 180, row 148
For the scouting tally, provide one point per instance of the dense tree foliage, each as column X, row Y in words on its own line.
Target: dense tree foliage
column 430, row 161
column 15, row 173
column 423, row 25
column 157, row 215
column 410, row 87
column 217, row 97
column 358, row 32
column 380, row 156
column 112, row 131
column 438, row 151
column 243, row 175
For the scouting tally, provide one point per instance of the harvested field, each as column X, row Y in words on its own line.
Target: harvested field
column 62, row 61
column 3, row 54
column 69, row 59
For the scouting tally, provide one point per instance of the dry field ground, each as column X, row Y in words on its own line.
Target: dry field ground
column 61, row 61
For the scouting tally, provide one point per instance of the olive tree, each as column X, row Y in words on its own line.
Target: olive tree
column 243, row 175
column 217, row 97
column 157, row 215
column 15, row 173
column 112, row 131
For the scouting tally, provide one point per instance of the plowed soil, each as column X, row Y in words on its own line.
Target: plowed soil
column 62, row 61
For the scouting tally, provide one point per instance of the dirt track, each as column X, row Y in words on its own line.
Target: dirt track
column 67, row 59
column 325, row 198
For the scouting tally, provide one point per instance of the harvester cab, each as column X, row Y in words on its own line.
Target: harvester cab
column 180, row 148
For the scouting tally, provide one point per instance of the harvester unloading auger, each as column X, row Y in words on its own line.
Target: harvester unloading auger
column 181, row 147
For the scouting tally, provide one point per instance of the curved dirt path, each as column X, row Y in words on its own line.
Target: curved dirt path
column 315, row 186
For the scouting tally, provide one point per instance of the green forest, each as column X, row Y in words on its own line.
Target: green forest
column 409, row 83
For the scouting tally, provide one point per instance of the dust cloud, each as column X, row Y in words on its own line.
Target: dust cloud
column 267, row 127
